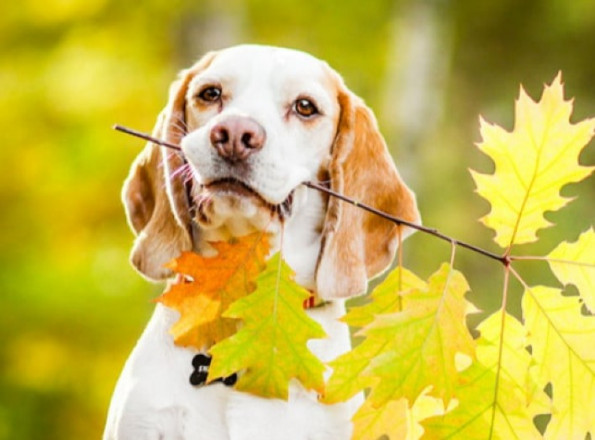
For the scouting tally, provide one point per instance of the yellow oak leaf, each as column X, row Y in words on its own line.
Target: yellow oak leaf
column 492, row 400
column 478, row 417
column 347, row 379
column 502, row 348
column 394, row 420
column 208, row 286
column 532, row 164
column 270, row 348
column 371, row 423
column 422, row 341
column 563, row 347
column 574, row 263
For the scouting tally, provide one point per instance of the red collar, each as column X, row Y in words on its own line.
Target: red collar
column 313, row 301
column 310, row 302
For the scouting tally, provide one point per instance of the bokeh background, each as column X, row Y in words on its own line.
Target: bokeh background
column 72, row 307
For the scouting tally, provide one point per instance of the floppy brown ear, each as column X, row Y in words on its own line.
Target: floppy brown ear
column 358, row 245
column 154, row 195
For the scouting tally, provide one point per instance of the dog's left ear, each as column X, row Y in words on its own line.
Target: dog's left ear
column 358, row 245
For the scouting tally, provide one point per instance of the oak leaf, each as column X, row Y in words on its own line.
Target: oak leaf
column 491, row 398
column 347, row 378
column 563, row 345
column 422, row 341
column 270, row 348
column 413, row 333
column 574, row 263
column 395, row 420
column 206, row 287
column 532, row 164
column 385, row 298
column 370, row 422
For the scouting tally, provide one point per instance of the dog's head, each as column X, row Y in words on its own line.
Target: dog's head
column 255, row 122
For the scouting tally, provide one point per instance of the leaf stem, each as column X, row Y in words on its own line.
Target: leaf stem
column 507, row 270
column 278, row 280
column 400, row 263
column 550, row 260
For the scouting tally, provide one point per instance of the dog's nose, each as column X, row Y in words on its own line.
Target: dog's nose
column 237, row 137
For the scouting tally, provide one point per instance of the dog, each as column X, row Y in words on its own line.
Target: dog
column 254, row 123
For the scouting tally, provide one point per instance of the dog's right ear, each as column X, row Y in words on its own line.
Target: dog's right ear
column 357, row 245
column 159, row 237
column 154, row 195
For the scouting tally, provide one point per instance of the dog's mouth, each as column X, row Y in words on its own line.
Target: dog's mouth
column 233, row 186
column 230, row 186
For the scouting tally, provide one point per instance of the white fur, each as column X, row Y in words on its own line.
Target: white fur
column 263, row 83
column 153, row 398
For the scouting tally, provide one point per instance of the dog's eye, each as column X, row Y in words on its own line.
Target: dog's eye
column 210, row 94
column 305, row 108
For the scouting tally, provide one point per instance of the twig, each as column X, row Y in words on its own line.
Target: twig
column 146, row 137
column 504, row 259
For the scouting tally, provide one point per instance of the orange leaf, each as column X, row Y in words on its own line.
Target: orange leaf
column 207, row 286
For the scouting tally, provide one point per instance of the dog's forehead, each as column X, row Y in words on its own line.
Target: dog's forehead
column 271, row 64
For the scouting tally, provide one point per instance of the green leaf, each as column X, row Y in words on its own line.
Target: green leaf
column 421, row 342
column 385, row 298
column 347, row 378
column 272, row 315
column 493, row 401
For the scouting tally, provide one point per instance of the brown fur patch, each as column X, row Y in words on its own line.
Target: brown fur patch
column 358, row 245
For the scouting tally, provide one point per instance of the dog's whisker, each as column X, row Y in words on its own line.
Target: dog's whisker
column 181, row 171
column 181, row 121
column 178, row 129
column 188, row 176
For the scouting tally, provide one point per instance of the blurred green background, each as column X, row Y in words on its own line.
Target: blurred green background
column 69, row 69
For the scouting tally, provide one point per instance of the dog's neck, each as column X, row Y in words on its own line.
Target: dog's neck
column 302, row 236
column 298, row 237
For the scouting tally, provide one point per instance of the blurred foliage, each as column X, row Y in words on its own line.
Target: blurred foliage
column 69, row 69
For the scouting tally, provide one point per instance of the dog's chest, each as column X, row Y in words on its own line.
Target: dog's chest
column 155, row 397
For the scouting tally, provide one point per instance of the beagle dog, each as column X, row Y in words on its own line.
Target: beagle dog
column 254, row 123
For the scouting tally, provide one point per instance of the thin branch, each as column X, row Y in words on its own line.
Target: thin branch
column 501, row 258
column 146, row 137
column 504, row 259
column 507, row 270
